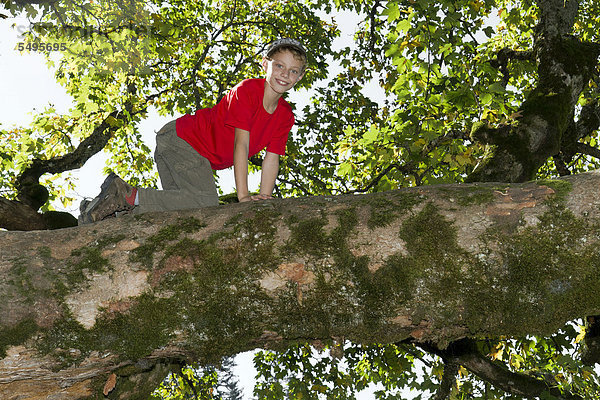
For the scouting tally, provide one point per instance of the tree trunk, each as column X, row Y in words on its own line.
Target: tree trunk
column 136, row 294
column 516, row 150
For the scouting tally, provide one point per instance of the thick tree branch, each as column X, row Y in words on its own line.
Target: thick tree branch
column 561, row 165
column 15, row 215
column 589, row 120
column 76, row 159
column 584, row 148
column 591, row 354
column 464, row 352
column 203, row 284
column 586, row 125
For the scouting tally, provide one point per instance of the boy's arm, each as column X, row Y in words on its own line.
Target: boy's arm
column 270, row 169
column 240, row 163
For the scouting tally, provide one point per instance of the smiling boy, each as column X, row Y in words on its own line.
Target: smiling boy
column 253, row 116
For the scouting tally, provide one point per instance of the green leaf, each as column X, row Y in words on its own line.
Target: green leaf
column 392, row 11
column 371, row 135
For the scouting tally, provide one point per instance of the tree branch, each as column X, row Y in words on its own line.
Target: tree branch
column 448, row 381
column 22, row 214
column 504, row 56
column 587, row 123
column 589, row 120
column 375, row 181
column 15, row 215
column 560, row 165
column 91, row 145
column 465, row 353
column 591, row 354
column 587, row 149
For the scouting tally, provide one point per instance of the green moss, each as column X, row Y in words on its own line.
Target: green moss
column 383, row 213
column 218, row 298
column 347, row 221
column 575, row 56
column 384, row 210
column 308, row 236
column 476, row 195
column 549, row 262
column 20, row 279
column 233, row 221
column 550, row 269
column 84, row 262
column 67, row 341
column 230, row 198
column 397, row 279
column 553, row 107
column 428, row 233
column 468, row 195
column 144, row 327
column 45, row 252
column 16, row 335
column 134, row 334
column 145, row 253
column 350, row 299
column 256, row 234
column 431, row 241
column 481, row 131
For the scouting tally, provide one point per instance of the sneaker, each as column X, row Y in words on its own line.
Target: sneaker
column 116, row 196
column 84, row 208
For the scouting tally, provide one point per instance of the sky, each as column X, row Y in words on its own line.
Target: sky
column 28, row 85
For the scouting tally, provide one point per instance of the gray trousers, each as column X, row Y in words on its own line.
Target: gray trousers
column 186, row 177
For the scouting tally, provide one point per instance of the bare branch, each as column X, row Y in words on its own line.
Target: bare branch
column 560, row 165
column 504, row 56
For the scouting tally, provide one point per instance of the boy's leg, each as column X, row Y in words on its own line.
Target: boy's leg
column 186, row 176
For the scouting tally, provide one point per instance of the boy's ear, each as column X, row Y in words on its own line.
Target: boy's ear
column 264, row 63
column 302, row 74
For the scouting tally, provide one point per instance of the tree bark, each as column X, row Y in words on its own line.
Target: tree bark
column 15, row 215
column 136, row 295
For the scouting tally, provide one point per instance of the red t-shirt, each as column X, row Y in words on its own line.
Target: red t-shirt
column 211, row 131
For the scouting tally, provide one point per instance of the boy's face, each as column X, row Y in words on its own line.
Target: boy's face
column 283, row 71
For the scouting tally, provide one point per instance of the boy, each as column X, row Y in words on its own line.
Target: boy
column 253, row 116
